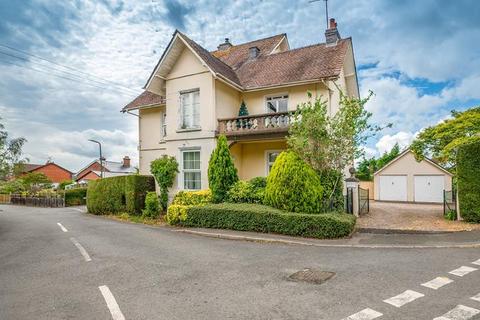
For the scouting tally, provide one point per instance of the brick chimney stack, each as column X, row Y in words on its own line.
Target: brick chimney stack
column 331, row 34
column 224, row 46
column 126, row 162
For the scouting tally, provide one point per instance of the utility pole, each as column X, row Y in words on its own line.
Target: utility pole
column 101, row 158
column 326, row 9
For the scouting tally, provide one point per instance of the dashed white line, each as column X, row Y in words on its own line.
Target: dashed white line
column 438, row 282
column 476, row 297
column 404, row 298
column 463, row 270
column 477, row 262
column 111, row 303
column 62, row 227
column 365, row 314
column 81, row 249
column 460, row 312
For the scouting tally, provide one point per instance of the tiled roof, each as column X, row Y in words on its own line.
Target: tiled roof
column 27, row 167
column 146, row 98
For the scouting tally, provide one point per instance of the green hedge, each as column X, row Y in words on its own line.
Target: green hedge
column 468, row 177
column 75, row 197
column 259, row 218
column 119, row 194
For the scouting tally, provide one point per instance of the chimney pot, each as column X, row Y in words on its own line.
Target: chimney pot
column 331, row 34
column 126, row 162
column 224, row 46
column 253, row 52
column 333, row 24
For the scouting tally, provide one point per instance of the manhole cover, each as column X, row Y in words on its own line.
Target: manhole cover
column 311, row 275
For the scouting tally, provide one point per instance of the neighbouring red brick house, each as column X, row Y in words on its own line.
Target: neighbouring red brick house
column 51, row 170
column 93, row 171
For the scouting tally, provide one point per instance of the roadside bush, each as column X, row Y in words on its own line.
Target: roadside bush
column 152, row 205
column 119, row 194
column 191, row 198
column 176, row 213
column 75, row 197
column 294, row 186
column 259, row 218
column 61, row 185
column 468, row 177
column 252, row 191
column 164, row 170
column 222, row 173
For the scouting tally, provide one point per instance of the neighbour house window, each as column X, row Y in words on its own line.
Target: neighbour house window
column 191, row 170
column 271, row 157
column 190, row 110
column 164, row 124
column 277, row 103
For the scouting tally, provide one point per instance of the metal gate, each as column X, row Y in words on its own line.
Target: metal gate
column 449, row 202
column 349, row 201
column 363, row 201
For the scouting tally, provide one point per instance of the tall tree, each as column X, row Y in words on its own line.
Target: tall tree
column 10, row 153
column 441, row 140
column 222, row 173
column 367, row 167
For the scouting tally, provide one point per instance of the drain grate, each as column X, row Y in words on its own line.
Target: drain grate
column 311, row 276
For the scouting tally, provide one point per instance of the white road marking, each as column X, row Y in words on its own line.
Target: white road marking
column 436, row 283
column 404, row 298
column 476, row 297
column 81, row 249
column 111, row 303
column 463, row 270
column 62, row 227
column 365, row 314
column 459, row 313
column 477, row 262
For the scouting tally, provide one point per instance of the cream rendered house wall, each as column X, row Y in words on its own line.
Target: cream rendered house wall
column 408, row 165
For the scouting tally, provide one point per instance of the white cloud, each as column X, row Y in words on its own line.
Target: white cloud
column 386, row 143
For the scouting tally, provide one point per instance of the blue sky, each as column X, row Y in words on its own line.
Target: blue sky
column 421, row 59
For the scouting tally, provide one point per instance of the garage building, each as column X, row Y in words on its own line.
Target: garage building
column 405, row 179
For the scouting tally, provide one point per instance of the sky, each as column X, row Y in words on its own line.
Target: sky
column 420, row 58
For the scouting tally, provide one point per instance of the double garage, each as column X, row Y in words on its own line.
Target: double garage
column 405, row 179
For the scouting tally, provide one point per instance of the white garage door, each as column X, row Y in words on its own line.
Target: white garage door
column 393, row 188
column 429, row 188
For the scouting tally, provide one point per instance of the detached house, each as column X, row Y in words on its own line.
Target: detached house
column 193, row 95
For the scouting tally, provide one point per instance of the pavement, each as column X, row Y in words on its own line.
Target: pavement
column 409, row 217
column 64, row 264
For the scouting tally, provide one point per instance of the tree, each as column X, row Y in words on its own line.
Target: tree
column 243, row 110
column 367, row 167
column 442, row 140
column 164, row 170
column 331, row 142
column 35, row 181
column 10, row 153
column 222, row 173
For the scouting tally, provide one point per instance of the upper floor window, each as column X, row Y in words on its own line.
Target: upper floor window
column 277, row 103
column 164, row 125
column 190, row 109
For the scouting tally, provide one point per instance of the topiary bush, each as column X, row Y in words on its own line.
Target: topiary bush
column 190, row 198
column 468, row 179
column 75, row 197
column 164, row 170
column 152, row 205
column 222, row 173
column 119, row 194
column 252, row 191
column 293, row 186
column 259, row 218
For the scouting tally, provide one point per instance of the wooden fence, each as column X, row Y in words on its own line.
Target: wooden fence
column 369, row 186
column 4, row 198
column 50, row 202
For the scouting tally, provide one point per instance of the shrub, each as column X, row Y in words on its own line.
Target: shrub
column 190, row 198
column 61, row 185
column 468, row 177
column 222, row 173
column 252, row 191
column 176, row 213
column 451, row 215
column 152, row 205
column 164, row 170
column 293, row 186
column 259, row 218
column 119, row 194
column 75, row 197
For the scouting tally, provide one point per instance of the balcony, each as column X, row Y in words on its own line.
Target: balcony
column 264, row 126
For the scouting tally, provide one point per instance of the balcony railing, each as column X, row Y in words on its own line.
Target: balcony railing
column 268, row 123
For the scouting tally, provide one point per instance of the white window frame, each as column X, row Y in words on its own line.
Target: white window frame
column 282, row 96
column 183, row 170
column 267, row 163
column 163, row 125
column 195, row 110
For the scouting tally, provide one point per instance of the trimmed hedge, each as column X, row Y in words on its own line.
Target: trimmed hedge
column 468, row 177
column 75, row 197
column 119, row 194
column 193, row 198
column 259, row 218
